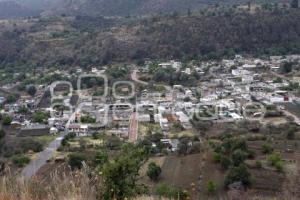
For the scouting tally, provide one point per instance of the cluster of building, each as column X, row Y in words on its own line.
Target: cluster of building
column 231, row 86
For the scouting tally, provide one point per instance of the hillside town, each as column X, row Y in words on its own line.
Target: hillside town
column 220, row 94
column 232, row 85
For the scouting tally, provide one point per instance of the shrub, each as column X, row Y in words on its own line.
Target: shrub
column 101, row 157
column 30, row 144
column 266, row 149
column 113, row 143
column 211, row 187
column 75, row 160
column 20, row 160
column 216, row 157
column 40, row 117
column 153, row 171
column 2, row 134
column 6, row 120
column 258, row 164
column 164, row 190
column 225, row 162
column 239, row 173
column 275, row 161
column 238, row 157
column 87, row 119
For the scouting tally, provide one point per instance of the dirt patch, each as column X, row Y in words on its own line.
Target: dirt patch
column 266, row 183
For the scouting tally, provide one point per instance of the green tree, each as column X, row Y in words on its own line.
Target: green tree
column 286, row 67
column 11, row 98
column 113, row 143
column 120, row 175
column 40, row 117
column 6, row 120
column 153, row 171
column 239, row 173
column 31, row 90
column 225, row 162
column 238, row 157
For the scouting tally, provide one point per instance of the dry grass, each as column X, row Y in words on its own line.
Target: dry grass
column 79, row 185
column 74, row 186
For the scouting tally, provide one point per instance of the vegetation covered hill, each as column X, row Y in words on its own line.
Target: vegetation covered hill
column 25, row 8
column 86, row 41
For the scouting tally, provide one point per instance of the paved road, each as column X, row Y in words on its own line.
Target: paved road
column 133, row 129
column 296, row 118
column 42, row 157
column 135, row 78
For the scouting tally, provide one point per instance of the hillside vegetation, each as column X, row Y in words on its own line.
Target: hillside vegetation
column 26, row 8
column 89, row 41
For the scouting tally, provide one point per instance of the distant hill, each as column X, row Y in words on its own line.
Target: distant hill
column 141, row 7
column 87, row 41
column 24, row 8
column 11, row 9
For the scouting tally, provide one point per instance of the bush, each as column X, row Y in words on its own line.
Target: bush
column 75, row 160
column 153, row 171
column 87, row 119
column 101, row 157
column 20, row 160
column 40, row 117
column 164, row 190
column 216, row 157
column 2, row 134
column 6, row 120
column 275, row 161
column 266, row 149
column 30, row 144
column 211, row 187
column 113, row 143
column 238, row 157
column 31, row 90
column 290, row 133
column 225, row 162
column 258, row 164
column 236, row 174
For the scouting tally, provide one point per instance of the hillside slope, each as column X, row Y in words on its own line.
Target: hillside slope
column 92, row 41
column 141, row 7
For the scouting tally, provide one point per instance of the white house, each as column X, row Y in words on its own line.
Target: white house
column 143, row 117
column 53, row 130
column 164, row 124
column 182, row 118
column 79, row 129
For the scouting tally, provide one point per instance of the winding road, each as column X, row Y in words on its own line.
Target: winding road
column 42, row 157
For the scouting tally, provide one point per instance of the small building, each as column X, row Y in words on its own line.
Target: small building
column 144, row 118
column 164, row 124
column 79, row 129
column 53, row 130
